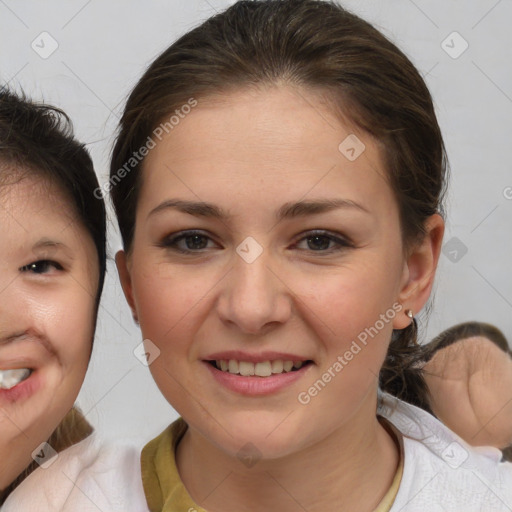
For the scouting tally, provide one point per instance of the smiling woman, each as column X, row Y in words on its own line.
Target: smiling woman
column 52, row 267
column 291, row 219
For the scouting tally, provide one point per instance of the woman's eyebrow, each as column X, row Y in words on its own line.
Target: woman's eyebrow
column 51, row 246
column 286, row 211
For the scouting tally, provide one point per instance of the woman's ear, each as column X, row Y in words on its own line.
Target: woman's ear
column 126, row 281
column 419, row 271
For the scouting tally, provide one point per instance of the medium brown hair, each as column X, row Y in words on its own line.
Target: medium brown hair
column 464, row 331
column 320, row 46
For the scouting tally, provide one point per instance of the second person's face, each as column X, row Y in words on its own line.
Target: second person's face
column 48, row 286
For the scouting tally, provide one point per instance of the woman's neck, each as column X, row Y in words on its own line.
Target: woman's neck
column 352, row 469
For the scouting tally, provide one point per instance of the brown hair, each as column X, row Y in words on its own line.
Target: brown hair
column 317, row 45
column 464, row 331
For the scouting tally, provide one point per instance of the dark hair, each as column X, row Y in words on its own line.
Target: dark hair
column 38, row 140
column 464, row 331
column 317, row 45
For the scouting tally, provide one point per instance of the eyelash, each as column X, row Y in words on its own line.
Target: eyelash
column 31, row 267
column 171, row 241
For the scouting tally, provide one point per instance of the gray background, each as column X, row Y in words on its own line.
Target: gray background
column 103, row 48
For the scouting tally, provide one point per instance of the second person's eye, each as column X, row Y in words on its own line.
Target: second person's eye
column 41, row 267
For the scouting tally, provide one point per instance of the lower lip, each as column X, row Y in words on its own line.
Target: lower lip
column 256, row 386
column 23, row 390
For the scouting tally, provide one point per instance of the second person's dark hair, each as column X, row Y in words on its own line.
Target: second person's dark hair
column 37, row 139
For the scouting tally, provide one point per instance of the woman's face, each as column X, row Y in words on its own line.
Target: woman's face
column 261, row 242
column 48, row 284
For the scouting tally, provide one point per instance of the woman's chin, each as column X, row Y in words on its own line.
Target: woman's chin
column 257, row 439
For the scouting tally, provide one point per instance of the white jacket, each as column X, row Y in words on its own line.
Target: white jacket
column 442, row 473
column 88, row 477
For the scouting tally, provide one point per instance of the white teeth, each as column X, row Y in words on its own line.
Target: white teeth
column 263, row 369
column 288, row 365
column 245, row 368
column 233, row 366
column 277, row 366
column 11, row 378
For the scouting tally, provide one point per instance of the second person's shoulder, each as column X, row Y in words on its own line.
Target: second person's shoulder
column 88, row 476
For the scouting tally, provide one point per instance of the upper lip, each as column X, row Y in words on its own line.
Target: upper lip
column 23, row 350
column 18, row 363
column 260, row 357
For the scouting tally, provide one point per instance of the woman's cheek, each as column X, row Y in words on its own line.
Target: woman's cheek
column 165, row 295
column 73, row 332
column 343, row 303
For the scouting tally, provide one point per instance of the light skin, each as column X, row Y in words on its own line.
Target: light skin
column 250, row 152
column 48, row 262
column 470, row 383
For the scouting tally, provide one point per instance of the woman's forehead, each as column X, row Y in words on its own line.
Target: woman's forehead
column 274, row 140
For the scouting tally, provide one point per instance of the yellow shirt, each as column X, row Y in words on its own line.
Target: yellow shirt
column 165, row 491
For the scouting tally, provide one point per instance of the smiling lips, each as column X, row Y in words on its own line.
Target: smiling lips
column 259, row 374
column 22, row 355
column 266, row 374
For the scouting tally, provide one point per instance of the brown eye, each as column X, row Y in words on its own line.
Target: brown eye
column 324, row 242
column 187, row 242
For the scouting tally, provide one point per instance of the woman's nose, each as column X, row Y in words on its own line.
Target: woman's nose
column 254, row 297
